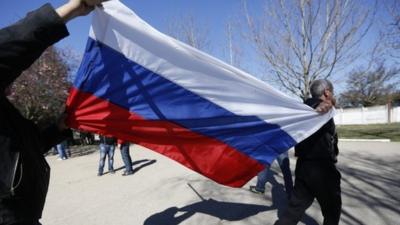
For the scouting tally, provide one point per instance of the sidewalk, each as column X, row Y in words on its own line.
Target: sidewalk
column 162, row 192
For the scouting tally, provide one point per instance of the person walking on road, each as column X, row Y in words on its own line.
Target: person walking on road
column 316, row 175
column 284, row 164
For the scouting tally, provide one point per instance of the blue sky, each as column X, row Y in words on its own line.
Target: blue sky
column 156, row 12
column 213, row 14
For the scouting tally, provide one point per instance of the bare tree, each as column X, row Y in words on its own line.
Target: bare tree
column 233, row 50
column 368, row 88
column 72, row 60
column 391, row 33
column 303, row 40
column 40, row 92
column 187, row 30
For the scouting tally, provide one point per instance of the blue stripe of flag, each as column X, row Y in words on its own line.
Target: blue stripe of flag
column 150, row 95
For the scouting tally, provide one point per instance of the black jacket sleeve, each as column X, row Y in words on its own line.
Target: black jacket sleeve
column 335, row 143
column 23, row 42
column 52, row 136
column 320, row 145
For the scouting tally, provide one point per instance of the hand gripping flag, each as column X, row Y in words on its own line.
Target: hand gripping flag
column 140, row 85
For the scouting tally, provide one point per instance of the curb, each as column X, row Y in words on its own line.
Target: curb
column 365, row 140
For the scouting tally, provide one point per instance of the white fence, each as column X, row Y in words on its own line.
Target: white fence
column 368, row 115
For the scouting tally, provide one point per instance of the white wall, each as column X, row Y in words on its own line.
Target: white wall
column 367, row 115
column 395, row 115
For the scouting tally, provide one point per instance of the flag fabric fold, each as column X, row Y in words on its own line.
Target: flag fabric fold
column 140, row 85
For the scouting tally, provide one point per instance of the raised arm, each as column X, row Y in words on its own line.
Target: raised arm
column 75, row 8
column 23, row 42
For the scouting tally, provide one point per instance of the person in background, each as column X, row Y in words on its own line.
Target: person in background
column 24, row 172
column 284, row 164
column 62, row 150
column 107, row 149
column 126, row 158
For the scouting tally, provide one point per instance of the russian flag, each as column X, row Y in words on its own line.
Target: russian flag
column 140, row 85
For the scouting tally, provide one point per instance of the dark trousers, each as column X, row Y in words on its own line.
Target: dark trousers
column 126, row 157
column 314, row 179
column 287, row 176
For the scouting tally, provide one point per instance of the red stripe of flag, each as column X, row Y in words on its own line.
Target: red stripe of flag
column 206, row 155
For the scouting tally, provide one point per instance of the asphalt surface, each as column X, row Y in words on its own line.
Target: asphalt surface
column 162, row 192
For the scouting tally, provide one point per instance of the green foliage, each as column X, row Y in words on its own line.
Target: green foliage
column 372, row 131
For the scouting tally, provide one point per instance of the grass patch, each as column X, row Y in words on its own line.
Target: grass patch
column 371, row 131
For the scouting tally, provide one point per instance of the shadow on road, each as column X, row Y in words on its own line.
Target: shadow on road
column 229, row 211
column 370, row 182
column 223, row 210
column 143, row 162
column 148, row 163
column 280, row 201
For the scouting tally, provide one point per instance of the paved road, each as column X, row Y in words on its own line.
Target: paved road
column 162, row 192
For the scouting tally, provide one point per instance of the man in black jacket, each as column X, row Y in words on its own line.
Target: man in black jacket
column 24, row 172
column 316, row 175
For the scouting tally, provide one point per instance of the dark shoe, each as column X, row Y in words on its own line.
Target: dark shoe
column 127, row 173
column 254, row 189
column 99, row 174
